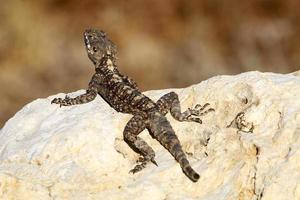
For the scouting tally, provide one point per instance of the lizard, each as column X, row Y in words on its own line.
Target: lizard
column 122, row 93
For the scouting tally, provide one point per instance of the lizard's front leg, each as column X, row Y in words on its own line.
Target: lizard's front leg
column 170, row 102
column 84, row 98
column 90, row 94
column 135, row 126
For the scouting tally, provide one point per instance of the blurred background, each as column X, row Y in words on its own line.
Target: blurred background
column 161, row 44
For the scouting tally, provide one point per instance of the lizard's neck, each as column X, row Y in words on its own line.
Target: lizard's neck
column 108, row 62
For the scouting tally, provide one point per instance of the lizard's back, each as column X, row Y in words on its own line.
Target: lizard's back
column 122, row 96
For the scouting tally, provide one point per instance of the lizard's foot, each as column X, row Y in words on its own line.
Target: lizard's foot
column 60, row 101
column 138, row 168
column 143, row 161
column 195, row 113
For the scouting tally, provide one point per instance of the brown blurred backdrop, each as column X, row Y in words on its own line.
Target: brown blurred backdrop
column 161, row 44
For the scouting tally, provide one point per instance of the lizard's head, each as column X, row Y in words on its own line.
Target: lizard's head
column 98, row 45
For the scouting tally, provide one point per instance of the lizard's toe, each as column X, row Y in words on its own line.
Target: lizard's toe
column 138, row 168
column 146, row 159
column 201, row 110
column 56, row 101
column 195, row 119
column 154, row 162
column 140, row 159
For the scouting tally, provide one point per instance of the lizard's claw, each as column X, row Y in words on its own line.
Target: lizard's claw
column 154, row 162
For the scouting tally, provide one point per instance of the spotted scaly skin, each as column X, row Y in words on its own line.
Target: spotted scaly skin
column 122, row 94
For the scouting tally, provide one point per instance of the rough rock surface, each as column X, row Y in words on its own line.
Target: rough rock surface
column 248, row 149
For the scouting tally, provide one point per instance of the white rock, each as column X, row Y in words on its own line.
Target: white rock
column 78, row 152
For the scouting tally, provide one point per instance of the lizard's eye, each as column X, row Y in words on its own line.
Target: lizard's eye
column 94, row 49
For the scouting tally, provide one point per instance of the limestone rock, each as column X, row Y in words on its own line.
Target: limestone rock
column 249, row 148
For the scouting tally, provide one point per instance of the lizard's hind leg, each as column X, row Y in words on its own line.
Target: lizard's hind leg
column 170, row 102
column 161, row 129
column 135, row 126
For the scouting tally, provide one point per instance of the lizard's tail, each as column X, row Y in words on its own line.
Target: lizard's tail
column 163, row 132
column 186, row 167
